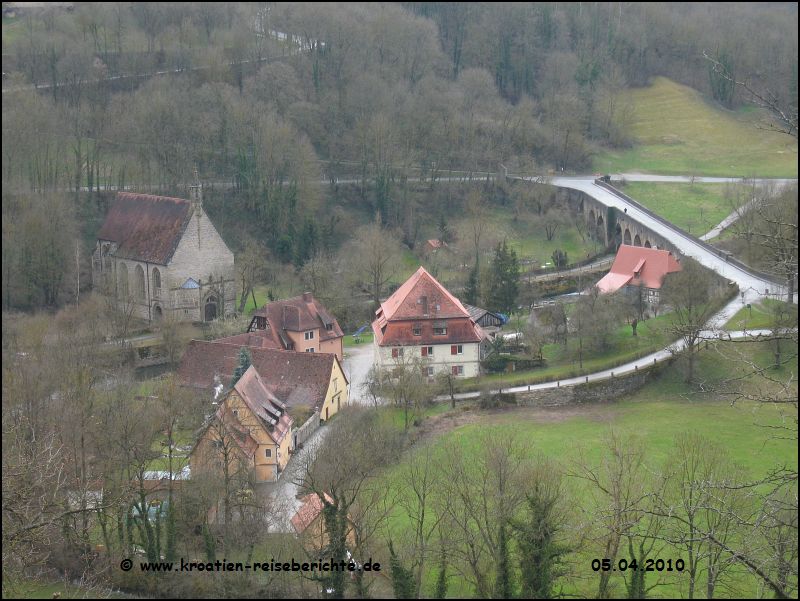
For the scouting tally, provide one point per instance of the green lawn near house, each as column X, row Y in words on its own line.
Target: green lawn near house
column 365, row 337
column 676, row 130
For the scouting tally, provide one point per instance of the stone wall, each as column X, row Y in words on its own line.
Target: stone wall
column 304, row 432
column 592, row 392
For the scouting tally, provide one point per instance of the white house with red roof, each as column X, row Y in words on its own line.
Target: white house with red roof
column 638, row 266
column 422, row 319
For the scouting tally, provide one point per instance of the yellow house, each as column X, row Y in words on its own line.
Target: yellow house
column 251, row 430
column 302, row 381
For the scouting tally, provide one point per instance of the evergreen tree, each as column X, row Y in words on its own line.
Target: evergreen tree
column 539, row 553
column 471, row 291
column 306, row 244
column 441, row 579
column 210, row 546
column 444, row 230
column 402, row 578
column 503, row 587
column 245, row 360
column 503, row 280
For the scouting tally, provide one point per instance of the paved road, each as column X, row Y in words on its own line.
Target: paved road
column 357, row 362
column 755, row 288
column 602, row 262
column 631, row 366
column 283, row 494
column 686, row 179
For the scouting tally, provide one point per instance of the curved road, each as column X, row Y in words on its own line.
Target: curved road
column 626, row 368
column 755, row 288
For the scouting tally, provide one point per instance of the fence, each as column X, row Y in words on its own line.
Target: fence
column 304, row 432
column 720, row 253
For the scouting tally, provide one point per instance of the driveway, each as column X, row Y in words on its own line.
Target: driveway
column 282, row 495
column 357, row 362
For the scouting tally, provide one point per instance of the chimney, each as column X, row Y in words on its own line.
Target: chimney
column 307, row 297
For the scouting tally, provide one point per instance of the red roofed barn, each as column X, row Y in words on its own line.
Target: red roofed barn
column 637, row 266
column 162, row 257
column 422, row 319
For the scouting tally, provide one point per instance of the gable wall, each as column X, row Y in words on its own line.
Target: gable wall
column 202, row 253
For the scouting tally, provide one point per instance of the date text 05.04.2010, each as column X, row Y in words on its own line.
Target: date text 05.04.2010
column 648, row 565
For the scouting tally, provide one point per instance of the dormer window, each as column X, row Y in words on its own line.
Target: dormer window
column 309, row 335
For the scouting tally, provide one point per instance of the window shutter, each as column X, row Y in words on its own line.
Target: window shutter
column 394, row 353
column 424, row 351
column 455, row 370
column 454, row 350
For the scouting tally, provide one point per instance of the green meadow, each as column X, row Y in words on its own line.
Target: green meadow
column 676, row 130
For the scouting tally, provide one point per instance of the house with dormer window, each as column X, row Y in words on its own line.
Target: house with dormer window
column 637, row 268
column 423, row 319
column 299, row 324
column 250, row 431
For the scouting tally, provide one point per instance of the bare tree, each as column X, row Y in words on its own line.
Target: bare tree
column 784, row 113
column 687, row 293
column 375, row 258
column 485, row 492
column 618, row 490
column 341, row 471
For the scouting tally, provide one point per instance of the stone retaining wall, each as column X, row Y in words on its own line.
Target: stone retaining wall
column 592, row 392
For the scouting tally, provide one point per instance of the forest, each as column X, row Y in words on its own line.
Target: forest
column 139, row 95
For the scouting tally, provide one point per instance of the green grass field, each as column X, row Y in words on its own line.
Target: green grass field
column 676, row 130
column 655, row 414
column 695, row 208
column 365, row 338
column 757, row 316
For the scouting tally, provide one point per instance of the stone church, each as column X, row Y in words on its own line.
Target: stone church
column 162, row 258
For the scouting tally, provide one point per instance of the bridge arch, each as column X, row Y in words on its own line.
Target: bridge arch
column 626, row 239
column 637, row 241
column 647, row 244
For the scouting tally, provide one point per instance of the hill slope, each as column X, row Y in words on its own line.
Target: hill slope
column 676, row 130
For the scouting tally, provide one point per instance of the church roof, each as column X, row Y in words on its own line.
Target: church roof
column 146, row 227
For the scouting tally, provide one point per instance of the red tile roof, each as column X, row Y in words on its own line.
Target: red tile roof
column 240, row 434
column 294, row 378
column 299, row 314
column 308, row 512
column 638, row 266
column 421, row 296
column 423, row 302
column 254, row 339
column 264, row 404
column 401, row 333
column 145, row 227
